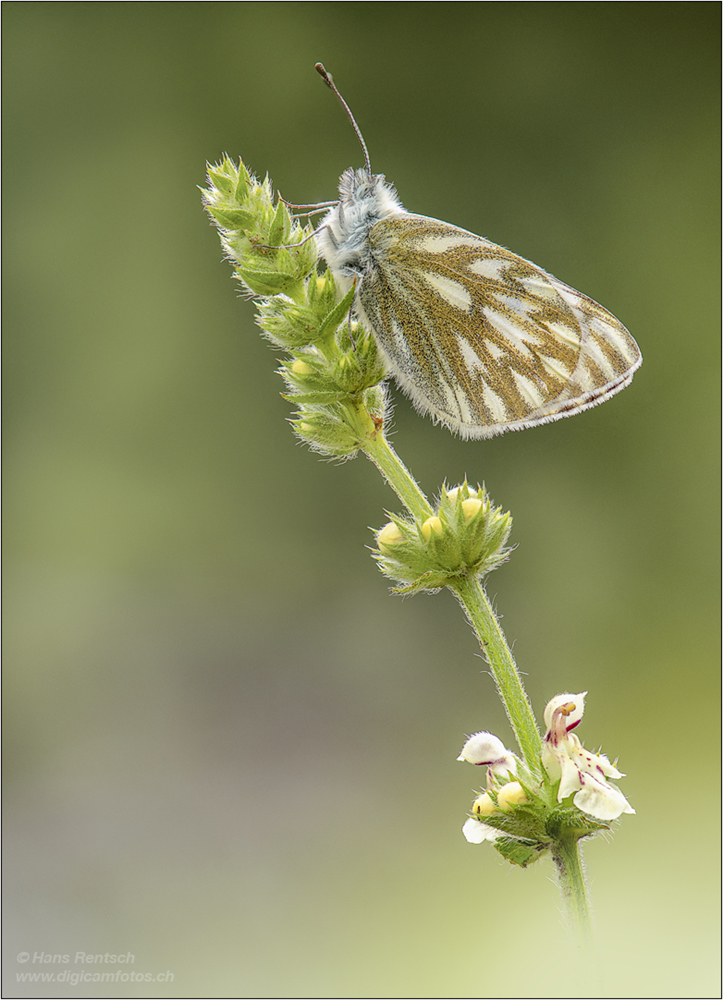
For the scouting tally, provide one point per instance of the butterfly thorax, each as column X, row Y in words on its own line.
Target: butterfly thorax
column 364, row 200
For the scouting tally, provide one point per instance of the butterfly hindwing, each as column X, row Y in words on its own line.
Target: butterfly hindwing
column 481, row 339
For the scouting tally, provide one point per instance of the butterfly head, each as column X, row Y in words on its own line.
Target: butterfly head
column 362, row 187
column 364, row 199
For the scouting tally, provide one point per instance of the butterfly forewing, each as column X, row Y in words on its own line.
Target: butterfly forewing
column 480, row 338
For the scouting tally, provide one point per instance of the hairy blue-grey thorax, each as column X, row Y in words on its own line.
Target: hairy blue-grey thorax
column 364, row 199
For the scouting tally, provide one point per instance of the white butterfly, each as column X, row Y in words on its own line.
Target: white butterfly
column 480, row 339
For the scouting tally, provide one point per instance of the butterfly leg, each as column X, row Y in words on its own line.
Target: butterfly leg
column 351, row 335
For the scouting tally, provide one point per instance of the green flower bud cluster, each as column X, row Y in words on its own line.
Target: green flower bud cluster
column 523, row 820
column 465, row 536
column 260, row 238
column 334, row 373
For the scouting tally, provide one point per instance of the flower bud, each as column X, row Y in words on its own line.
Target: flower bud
column 471, row 507
column 511, row 794
column 388, row 537
column 325, row 431
column 483, row 805
column 464, row 537
column 466, row 490
column 432, row 524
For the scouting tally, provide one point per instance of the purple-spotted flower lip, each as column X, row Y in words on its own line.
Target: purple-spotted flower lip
column 581, row 773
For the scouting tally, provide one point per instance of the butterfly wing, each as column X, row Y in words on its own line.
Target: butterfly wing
column 481, row 339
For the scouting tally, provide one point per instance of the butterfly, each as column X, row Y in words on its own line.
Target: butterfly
column 480, row 339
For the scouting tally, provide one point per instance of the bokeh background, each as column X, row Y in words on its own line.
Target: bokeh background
column 229, row 751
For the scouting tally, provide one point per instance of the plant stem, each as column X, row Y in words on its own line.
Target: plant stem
column 378, row 449
column 475, row 603
column 470, row 594
column 567, row 857
column 473, row 599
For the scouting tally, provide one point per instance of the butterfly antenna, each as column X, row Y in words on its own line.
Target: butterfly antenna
column 327, row 78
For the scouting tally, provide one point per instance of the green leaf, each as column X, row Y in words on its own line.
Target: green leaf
column 280, row 225
column 321, row 398
column 266, row 282
column 427, row 581
column 244, row 181
column 231, row 218
column 222, row 181
column 337, row 314
column 519, row 852
column 569, row 821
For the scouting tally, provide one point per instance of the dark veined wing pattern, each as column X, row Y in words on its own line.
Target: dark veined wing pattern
column 481, row 339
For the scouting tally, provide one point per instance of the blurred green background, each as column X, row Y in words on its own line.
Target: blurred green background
column 229, row 751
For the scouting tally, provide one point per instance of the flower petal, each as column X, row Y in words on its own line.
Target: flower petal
column 570, row 780
column 601, row 799
column 574, row 705
column 573, row 713
column 476, row 832
column 593, row 762
column 485, row 748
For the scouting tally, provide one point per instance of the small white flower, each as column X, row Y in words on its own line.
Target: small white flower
column 484, row 748
column 578, row 770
